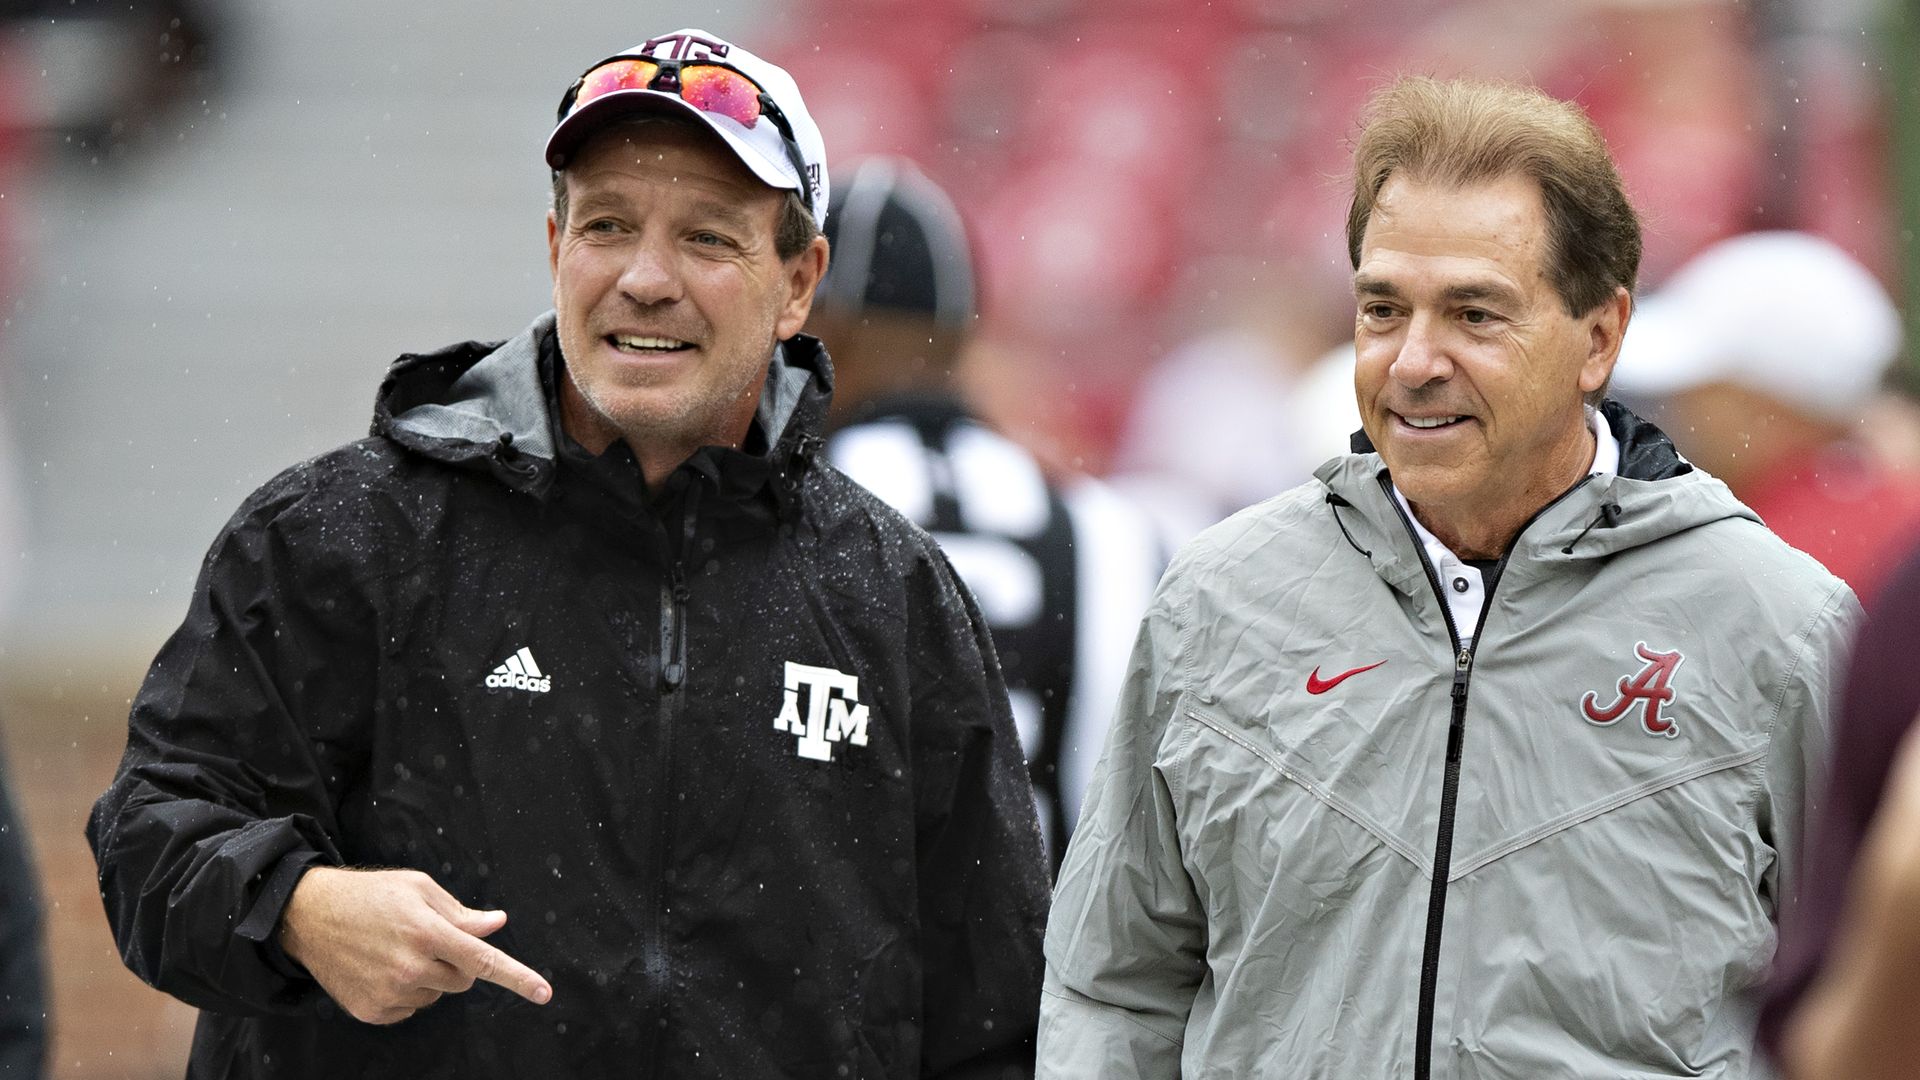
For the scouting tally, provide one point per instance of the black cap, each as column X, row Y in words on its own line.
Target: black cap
column 898, row 244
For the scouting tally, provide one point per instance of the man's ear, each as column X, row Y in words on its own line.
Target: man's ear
column 1607, row 329
column 804, row 272
column 553, row 245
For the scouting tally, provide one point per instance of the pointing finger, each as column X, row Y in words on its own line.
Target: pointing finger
column 482, row 961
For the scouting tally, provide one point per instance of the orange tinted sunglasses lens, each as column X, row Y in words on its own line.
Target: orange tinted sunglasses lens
column 719, row 90
column 618, row 75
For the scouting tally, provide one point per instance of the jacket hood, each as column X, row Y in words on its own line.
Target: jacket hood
column 485, row 406
column 1657, row 493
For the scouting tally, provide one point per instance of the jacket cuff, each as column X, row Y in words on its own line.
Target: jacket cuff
column 262, row 923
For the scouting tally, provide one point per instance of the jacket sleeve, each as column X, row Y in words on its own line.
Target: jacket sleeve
column 982, row 878
column 1127, row 936
column 1799, row 748
column 236, row 740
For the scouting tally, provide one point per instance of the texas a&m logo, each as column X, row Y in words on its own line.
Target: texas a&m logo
column 834, row 713
column 681, row 46
column 1647, row 688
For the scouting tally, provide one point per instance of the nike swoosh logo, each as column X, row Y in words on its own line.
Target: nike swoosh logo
column 1317, row 685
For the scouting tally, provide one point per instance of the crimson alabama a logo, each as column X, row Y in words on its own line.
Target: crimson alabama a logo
column 1647, row 687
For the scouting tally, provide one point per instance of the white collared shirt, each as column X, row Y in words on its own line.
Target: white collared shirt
column 1464, row 586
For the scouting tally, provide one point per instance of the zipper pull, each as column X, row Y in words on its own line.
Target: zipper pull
column 674, row 671
column 1462, row 667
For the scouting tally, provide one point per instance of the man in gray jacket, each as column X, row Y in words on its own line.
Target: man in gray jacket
column 1483, row 754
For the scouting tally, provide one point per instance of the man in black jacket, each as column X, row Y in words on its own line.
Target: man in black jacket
column 679, row 752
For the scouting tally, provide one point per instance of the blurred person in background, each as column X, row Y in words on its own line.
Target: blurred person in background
column 1061, row 571
column 107, row 76
column 1481, row 754
column 1215, row 425
column 1845, row 992
column 581, row 634
column 23, row 979
column 1207, row 431
column 1322, row 411
column 1762, row 356
column 1776, row 104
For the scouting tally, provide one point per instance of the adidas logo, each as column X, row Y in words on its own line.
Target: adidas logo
column 519, row 673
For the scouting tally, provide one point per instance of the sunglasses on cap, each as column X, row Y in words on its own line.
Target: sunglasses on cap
column 706, row 84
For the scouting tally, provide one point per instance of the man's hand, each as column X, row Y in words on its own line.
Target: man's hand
column 385, row 944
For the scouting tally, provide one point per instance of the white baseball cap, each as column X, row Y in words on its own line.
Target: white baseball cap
column 1784, row 313
column 609, row 90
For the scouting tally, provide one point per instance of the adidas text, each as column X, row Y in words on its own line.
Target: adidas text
column 519, row 672
column 500, row 680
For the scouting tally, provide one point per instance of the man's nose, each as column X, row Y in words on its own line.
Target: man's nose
column 651, row 275
column 1423, row 356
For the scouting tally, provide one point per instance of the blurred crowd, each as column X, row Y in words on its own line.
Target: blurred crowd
column 1155, row 193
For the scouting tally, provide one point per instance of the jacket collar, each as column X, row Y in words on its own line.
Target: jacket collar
column 492, row 407
column 1655, row 494
column 474, row 405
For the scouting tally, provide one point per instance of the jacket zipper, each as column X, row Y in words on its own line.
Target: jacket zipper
column 673, row 628
column 1443, row 852
column 1450, row 784
column 674, row 594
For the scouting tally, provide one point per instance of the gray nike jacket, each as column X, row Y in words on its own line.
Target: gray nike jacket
column 1560, row 852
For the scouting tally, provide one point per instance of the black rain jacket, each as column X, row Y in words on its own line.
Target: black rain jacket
column 466, row 646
